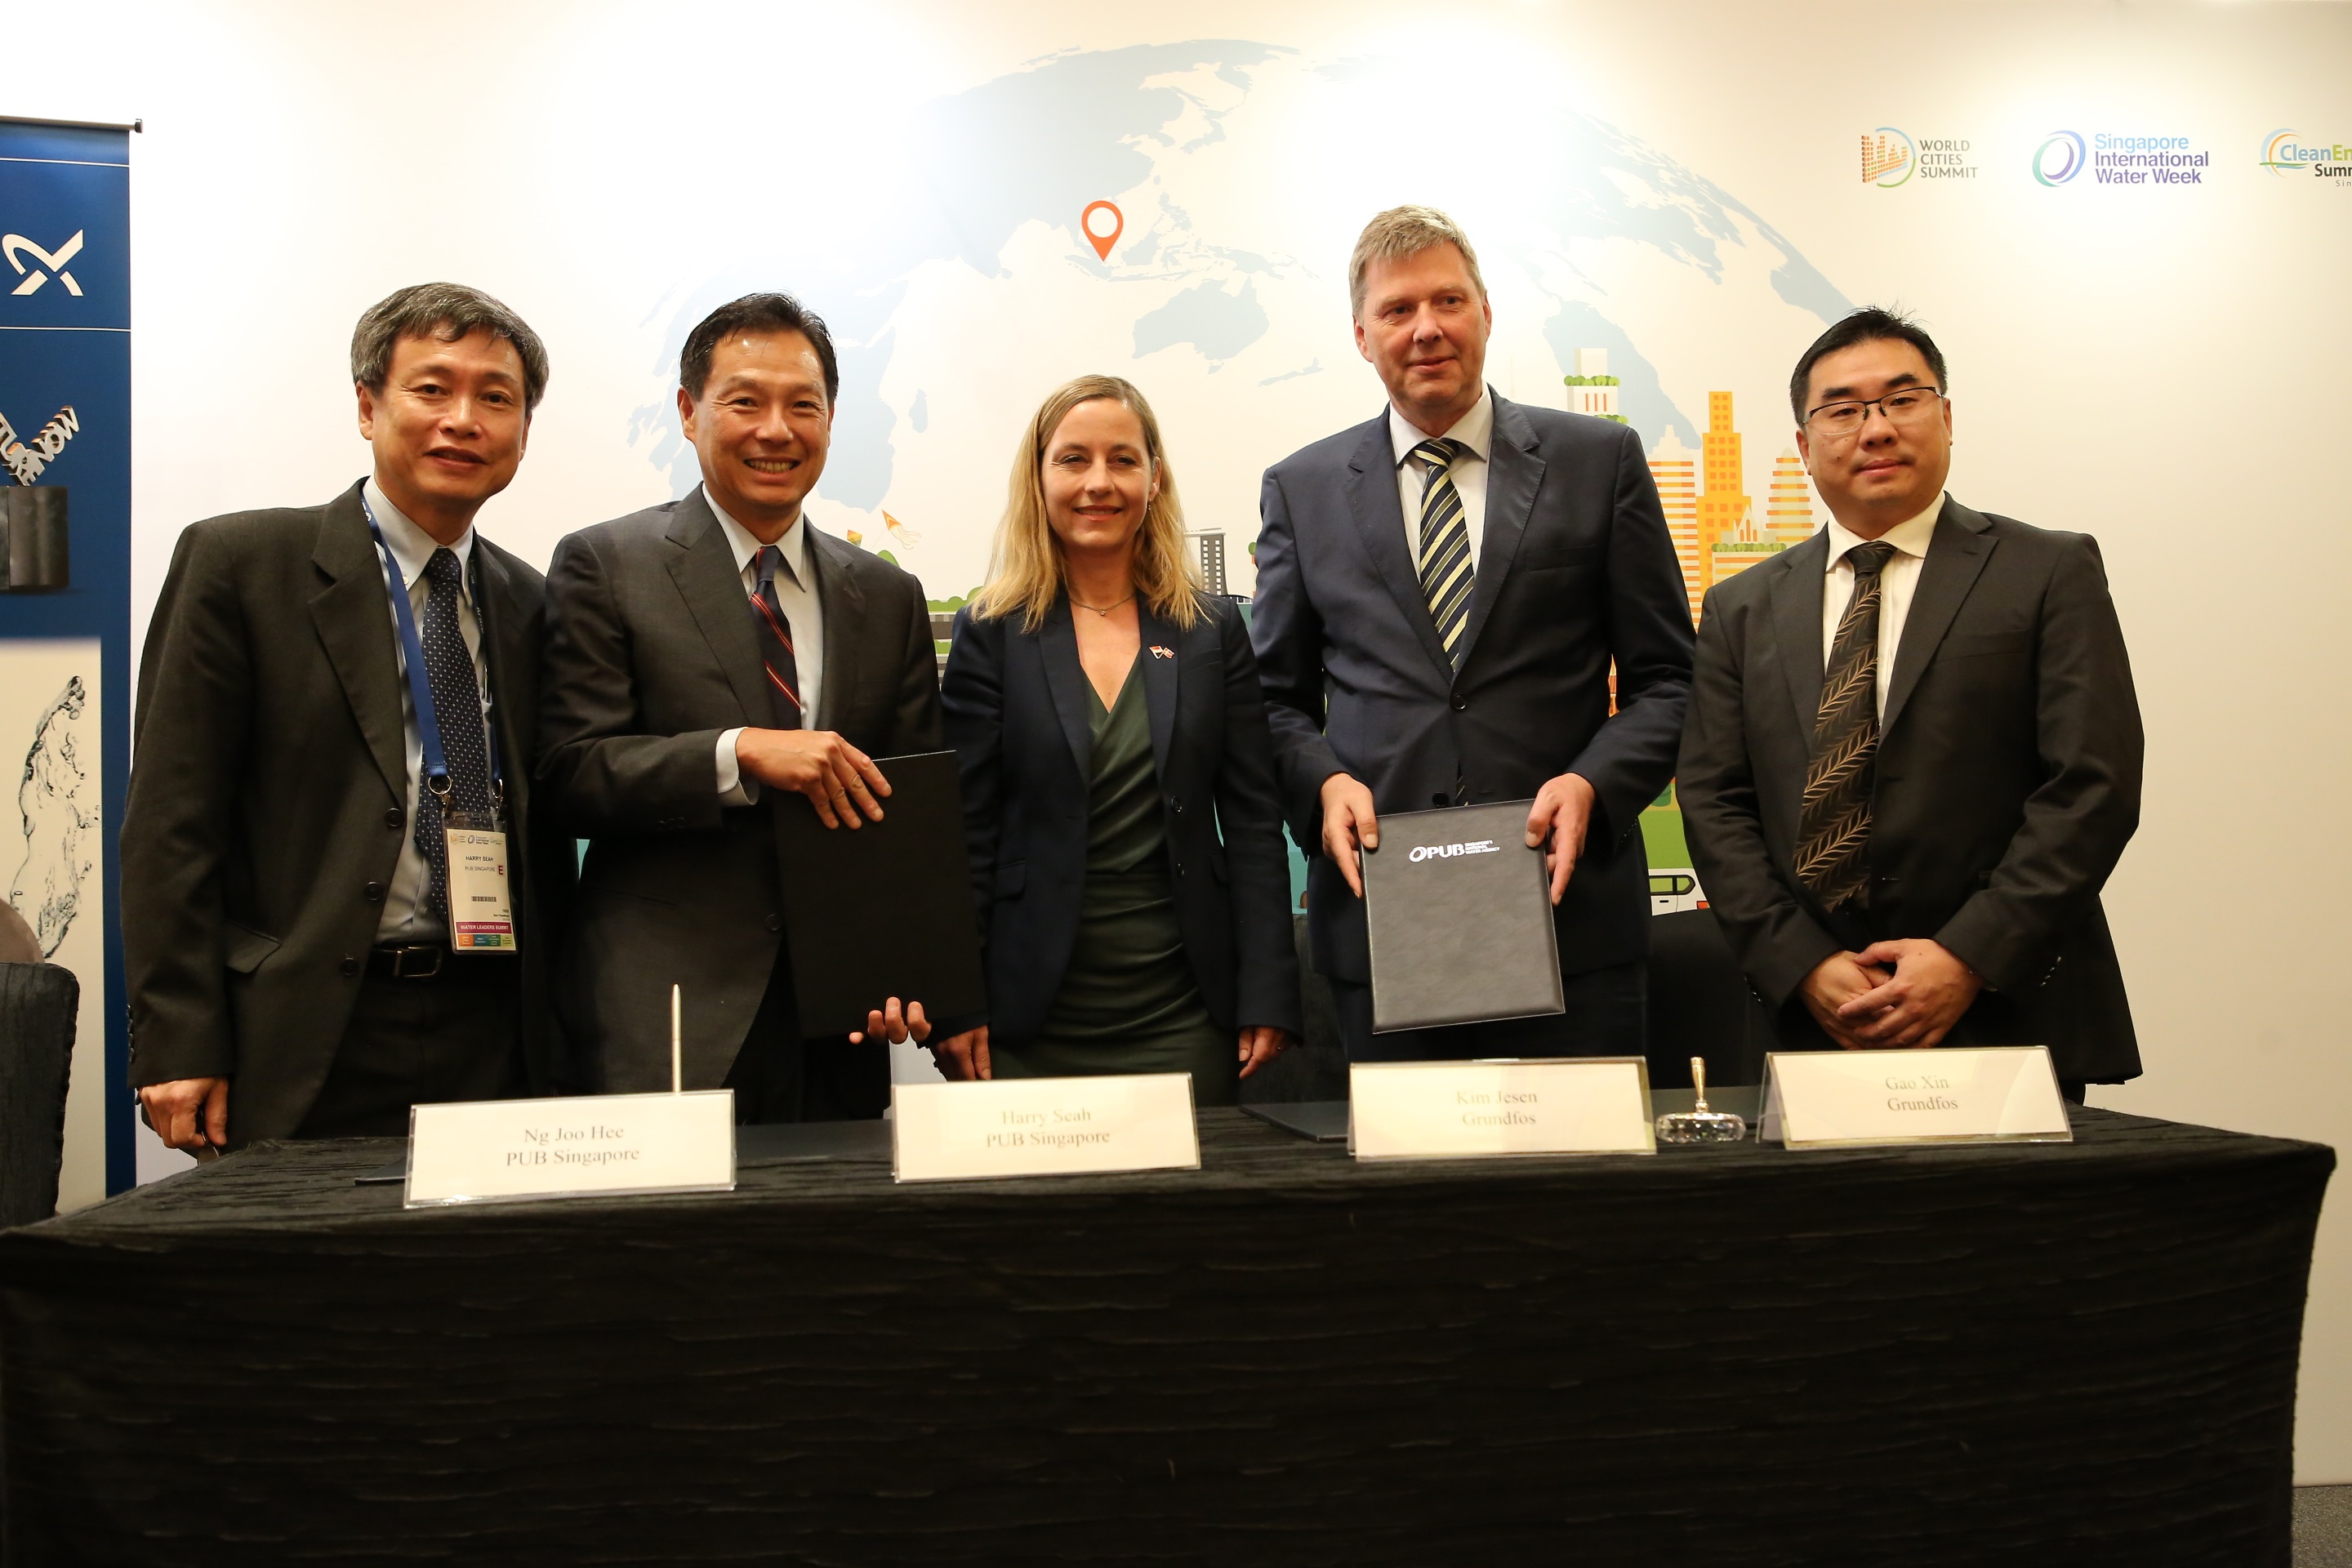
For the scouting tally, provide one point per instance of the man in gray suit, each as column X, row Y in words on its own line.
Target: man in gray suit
column 326, row 693
column 708, row 658
column 1442, row 593
column 1914, row 753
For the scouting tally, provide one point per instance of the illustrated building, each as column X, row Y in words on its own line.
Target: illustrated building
column 1724, row 508
column 1675, row 468
column 1592, row 390
column 1788, row 508
column 1208, row 551
column 1881, row 156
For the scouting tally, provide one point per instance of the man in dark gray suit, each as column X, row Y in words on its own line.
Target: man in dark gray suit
column 1442, row 593
column 708, row 656
column 1914, row 753
column 286, row 883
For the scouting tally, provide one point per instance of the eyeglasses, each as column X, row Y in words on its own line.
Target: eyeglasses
column 1908, row 406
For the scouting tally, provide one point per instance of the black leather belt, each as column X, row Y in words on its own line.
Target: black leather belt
column 421, row 961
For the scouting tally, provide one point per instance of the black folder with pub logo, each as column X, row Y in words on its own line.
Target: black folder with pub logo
column 1460, row 917
column 884, row 909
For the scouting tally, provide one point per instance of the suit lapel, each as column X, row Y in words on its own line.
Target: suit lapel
column 503, row 615
column 712, row 587
column 844, row 604
column 1160, row 679
column 1066, row 679
column 1797, row 628
column 1957, row 553
column 353, row 618
column 1513, row 474
column 1380, row 525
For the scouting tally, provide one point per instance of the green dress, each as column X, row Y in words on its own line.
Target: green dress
column 1128, row 1002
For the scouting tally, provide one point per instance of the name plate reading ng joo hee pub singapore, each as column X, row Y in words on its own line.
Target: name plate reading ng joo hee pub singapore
column 1847, row 1100
column 1042, row 1127
column 504, row 1151
column 1589, row 1105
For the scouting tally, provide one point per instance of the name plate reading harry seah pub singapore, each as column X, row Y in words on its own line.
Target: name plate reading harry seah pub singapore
column 500, row 1151
column 1595, row 1105
column 1844, row 1099
column 1042, row 1127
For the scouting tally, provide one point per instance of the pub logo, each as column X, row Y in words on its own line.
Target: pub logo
column 1448, row 851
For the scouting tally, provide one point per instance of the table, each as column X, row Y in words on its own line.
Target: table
column 2063, row 1353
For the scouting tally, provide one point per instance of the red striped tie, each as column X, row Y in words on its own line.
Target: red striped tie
column 776, row 641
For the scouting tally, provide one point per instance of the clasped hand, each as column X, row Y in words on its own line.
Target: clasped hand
column 839, row 780
column 1892, row 995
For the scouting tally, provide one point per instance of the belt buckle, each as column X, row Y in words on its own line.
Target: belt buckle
column 400, row 956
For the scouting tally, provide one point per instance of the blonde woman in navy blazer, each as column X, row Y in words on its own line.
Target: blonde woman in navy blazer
column 1118, row 783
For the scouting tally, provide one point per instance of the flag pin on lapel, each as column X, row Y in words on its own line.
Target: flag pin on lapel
column 1159, row 652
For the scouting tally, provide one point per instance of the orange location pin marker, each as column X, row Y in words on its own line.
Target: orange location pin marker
column 1102, row 242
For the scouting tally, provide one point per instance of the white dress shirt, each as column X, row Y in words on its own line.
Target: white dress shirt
column 1474, row 430
column 796, row 595
column 408, row 916
column 1898, row 580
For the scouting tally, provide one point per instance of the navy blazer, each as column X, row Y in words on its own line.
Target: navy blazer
column 1016, row 714
column 1576, row 572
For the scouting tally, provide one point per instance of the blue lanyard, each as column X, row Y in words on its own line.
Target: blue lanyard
column 420, row 687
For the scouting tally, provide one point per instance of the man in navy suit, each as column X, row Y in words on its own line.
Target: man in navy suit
column 1442, row 593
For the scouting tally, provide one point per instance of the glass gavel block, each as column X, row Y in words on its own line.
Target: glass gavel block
column 1700, row 1125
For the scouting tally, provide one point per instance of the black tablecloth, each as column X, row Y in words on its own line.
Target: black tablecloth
column 2063, row 1353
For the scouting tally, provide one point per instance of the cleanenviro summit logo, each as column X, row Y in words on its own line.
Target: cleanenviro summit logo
column 2289, row 154
column 2115, row 158
column 1891, row 158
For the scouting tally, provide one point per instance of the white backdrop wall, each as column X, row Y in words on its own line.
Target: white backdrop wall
column 2168, row 367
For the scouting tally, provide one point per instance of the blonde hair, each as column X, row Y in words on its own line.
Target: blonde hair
column 1406, row 231
column 1025, row 572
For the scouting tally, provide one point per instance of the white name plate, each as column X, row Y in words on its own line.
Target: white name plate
column 503, row 1151
column 1845, row 1100
column 1587, row 1105
column 1042, row 1127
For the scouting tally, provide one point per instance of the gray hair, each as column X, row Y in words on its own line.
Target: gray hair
column 450, row 311
column 1406, row 231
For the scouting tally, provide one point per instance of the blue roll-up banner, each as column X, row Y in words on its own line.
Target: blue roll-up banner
column 65, row 593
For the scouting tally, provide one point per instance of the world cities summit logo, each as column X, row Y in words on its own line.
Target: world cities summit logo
column 1890, row 158
column 2290, row 154
column 2115, row 158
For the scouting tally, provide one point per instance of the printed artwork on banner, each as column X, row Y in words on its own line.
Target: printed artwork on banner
column 1629, row 285
column 1890, row 158
column 65, row 591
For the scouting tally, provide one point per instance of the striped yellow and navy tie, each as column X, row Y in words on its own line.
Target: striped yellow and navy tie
column 1834, row 824
column 1446, row 579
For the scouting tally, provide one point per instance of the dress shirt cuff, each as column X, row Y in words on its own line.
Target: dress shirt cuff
column 733, row 788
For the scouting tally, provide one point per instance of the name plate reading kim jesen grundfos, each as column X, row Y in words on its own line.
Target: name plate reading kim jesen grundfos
column 1845, row 1100
column 505, row 1150
column 1587, row 1105
column 1042, row 1127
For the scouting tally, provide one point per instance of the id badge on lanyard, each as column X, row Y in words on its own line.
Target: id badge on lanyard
column 481, row 913
column 474, row 844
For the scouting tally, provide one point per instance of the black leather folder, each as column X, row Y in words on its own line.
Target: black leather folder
column 884, row 909
column 1459, row 916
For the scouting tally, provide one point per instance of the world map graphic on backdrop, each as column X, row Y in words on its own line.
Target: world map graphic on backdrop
column 953, row 269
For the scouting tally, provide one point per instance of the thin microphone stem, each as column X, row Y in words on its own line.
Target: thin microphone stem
column 677, row 1059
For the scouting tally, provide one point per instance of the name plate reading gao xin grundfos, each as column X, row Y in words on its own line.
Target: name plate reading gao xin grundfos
column 1845, row 1100
column 1042, row 1127
column 1589, row 1105
column 504, row 1151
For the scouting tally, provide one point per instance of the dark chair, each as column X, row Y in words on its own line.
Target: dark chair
column 1701, row 1006
column 39, row 1005
column 1316, row 1067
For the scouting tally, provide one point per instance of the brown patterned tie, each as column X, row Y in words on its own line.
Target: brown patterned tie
column 1833, row 828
